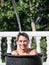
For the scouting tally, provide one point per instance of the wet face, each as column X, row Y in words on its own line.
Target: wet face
column 22, row 42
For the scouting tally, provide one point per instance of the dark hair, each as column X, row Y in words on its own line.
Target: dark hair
column 23, row 34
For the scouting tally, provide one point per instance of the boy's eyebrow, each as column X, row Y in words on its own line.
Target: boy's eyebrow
column 22, row 40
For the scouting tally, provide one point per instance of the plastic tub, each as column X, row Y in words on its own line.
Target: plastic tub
column 23, row 60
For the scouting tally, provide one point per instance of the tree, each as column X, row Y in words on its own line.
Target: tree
column 30, row 12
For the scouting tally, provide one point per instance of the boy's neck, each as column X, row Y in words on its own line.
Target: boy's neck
column 24, row 50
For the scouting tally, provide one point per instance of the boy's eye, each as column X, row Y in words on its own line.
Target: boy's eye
column 23, row 41
column 20, row 40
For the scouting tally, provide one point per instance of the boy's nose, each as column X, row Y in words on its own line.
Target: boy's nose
column 22, row 42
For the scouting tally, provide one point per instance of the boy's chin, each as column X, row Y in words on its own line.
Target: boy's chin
column 23, row 48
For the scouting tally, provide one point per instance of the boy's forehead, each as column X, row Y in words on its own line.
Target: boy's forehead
column 22, row 37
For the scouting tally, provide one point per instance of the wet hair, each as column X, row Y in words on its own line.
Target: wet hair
column 23, row 34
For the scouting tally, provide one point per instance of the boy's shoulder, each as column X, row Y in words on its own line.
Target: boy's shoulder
column 33, row 51
column 14, row 52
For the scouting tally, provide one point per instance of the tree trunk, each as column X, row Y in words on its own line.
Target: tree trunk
column 16, row 12
column 32, row 24
column 31, row 19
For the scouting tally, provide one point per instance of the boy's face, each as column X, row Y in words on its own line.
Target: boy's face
column 22, row 42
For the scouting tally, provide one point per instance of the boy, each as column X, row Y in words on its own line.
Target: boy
column 23, row 41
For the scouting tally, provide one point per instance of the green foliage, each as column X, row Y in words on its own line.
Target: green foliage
column 39, row 11
column 33, row 45
column 43, row 47
column 41, row 17
column 8, row 21
column 3, row 48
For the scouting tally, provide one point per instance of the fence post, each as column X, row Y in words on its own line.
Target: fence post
column 38, row 44
column 8, row 44
column 30, row 38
